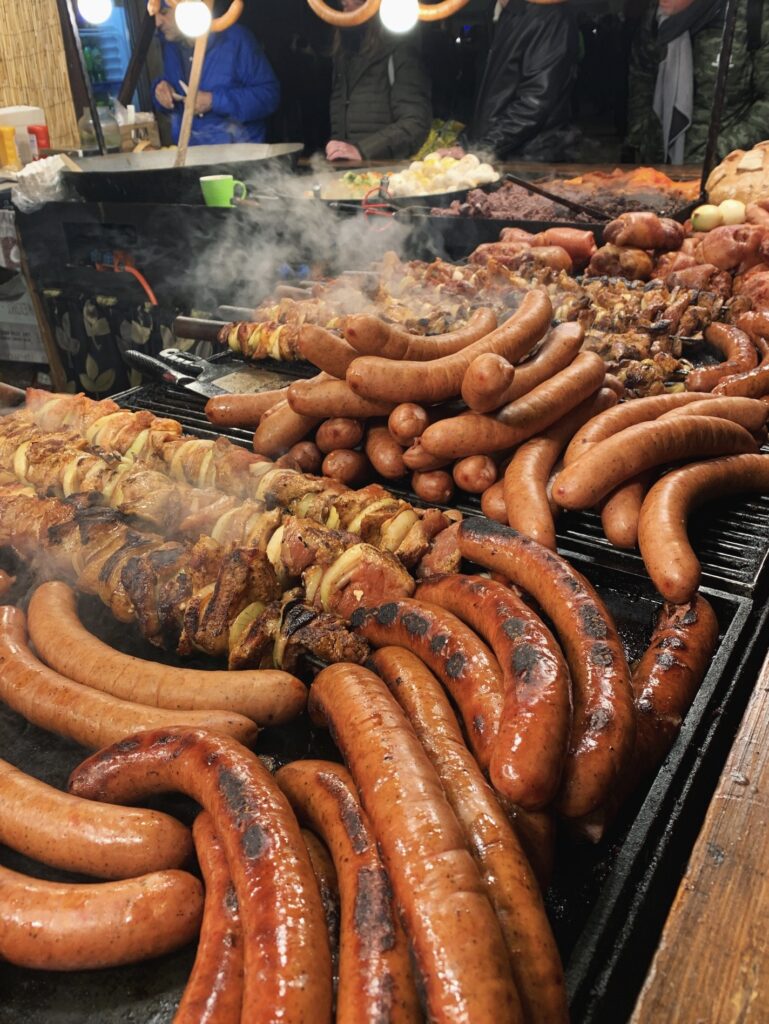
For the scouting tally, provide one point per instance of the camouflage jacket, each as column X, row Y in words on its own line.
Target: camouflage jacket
column 745, row 117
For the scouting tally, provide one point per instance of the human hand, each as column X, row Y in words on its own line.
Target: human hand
column 203, row 102
column 337, row 150
column 164, row 95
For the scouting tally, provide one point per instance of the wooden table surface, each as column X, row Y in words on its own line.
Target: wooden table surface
column 712, row 962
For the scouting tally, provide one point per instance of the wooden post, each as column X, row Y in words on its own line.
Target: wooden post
column 138, row 57
column 70, row 30
column 198, row 55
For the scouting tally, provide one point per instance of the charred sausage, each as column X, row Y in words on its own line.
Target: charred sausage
column 369, row 335
column 740, row 355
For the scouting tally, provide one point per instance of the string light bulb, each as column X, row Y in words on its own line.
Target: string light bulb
column 399, row 15
column 193, row 18
column 95, row 12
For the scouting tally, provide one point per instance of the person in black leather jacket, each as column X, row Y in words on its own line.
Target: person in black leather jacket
column 523, row 109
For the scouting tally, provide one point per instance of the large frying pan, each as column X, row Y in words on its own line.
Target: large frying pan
column 152, row 177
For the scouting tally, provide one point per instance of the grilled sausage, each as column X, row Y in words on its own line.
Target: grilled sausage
column 76, row 835
column 752, row 383
column 280, row 428
column 603, row 726
column 266, row 696
column 439, row 379
column 369, row 335
column 748, row 412
column 419, row 460
column 325, row 350
column 375, row 982
column 473, row 434
column 526, row 477
column 407, row 422
column 384, row 453
column 509, row 880
column 441, row 898
column 644, row 446
column 338, row 432
column 434, row 486
column 627, row 414
column 86, row 716
column 740, row 355
column 475, row 474
column 214, row 991
column 348, row 467
column 329, row 397
column 307, row 456
column 287, row 960
column 464, row 664
column 242, row 410
column 620, row 512
column 53, row 926
column 328, row 886
column 486, row 381
column 665, row 549
column 580, row 245
column 493, row 502
column 529, row 752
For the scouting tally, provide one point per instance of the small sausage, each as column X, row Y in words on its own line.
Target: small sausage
column 281, row 429
column 486, row 382
column 451, row 925
column 621, row 510
column 752, row 383
column 493, row 502
column 242, row 410
column 307, row 455
column 407, row 422
column 557, row 351
column 435, row 486
column 616, row 385
column 627, row 414
column 325, row 350
column 473, row 434
column 740, row 355
column 668, row 556
column 416, row 458
column 508, row 878
column 51, row 926
column 287, row 959
column 462, row 662
column 603, row 727
column 338, row 432
column 329, row 397
column 407, row 380
column 214, row 990
column 328, row 886
column 475, row 474
column 384, row 453
column 371, row 336
column 748, row 412
column 527, row 475
column 375, row 982
column 76, row 835
column 647, row 445
column 529, row 753
column 266, row 696
column 89, row 717
column 580, row 245
column 348, row 467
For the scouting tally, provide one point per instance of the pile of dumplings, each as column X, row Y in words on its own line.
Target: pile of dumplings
column 436, row 174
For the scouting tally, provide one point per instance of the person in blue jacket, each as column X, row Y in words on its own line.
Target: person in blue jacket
column 238, row 88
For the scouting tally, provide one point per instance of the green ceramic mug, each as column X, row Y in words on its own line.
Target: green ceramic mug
column 220, row 189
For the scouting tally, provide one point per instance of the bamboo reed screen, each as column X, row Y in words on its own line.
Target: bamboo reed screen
column 33, row 68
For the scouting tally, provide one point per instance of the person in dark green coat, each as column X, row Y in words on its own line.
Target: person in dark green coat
column 673, row 68
column 380, row 94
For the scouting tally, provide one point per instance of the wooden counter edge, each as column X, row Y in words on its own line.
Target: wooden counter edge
column 712, row 962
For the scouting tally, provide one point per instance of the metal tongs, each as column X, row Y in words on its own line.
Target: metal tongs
column 570, row 204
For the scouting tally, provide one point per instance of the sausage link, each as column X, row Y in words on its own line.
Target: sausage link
column 348, row 467
column 419, row 460
column 506, row 873
column 323, row 398
column 645, row 446
column 214, row 991
column 556, row 352
column 87, row 716
column 464, row 664
column 371, row 336
column 529, row 752
column 626, row 414
column 287, row 960
column 621, row 511
column 338, row 432
column 325, row 350
column 281, row 429
column 740, row 354
column 525, row 483
column 75, row 835
column 51, row 926
column 579, row 244
column 407, row 422
column 242, row 410
column 375, row 982
column 328, row 886
column 407, row 380
column 668, row 556
column 307, row 456
column 448, row 918
column 266, row 696
column 434, row 486
column 486, row 380
column 475, row 474
column 603, row 726
column 748, row 412
column 493, row 502
column 384, row 453
column 753, row 383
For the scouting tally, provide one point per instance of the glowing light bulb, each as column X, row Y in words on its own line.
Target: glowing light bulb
column 193, row 18
column 399, row 15
column 95, row 12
